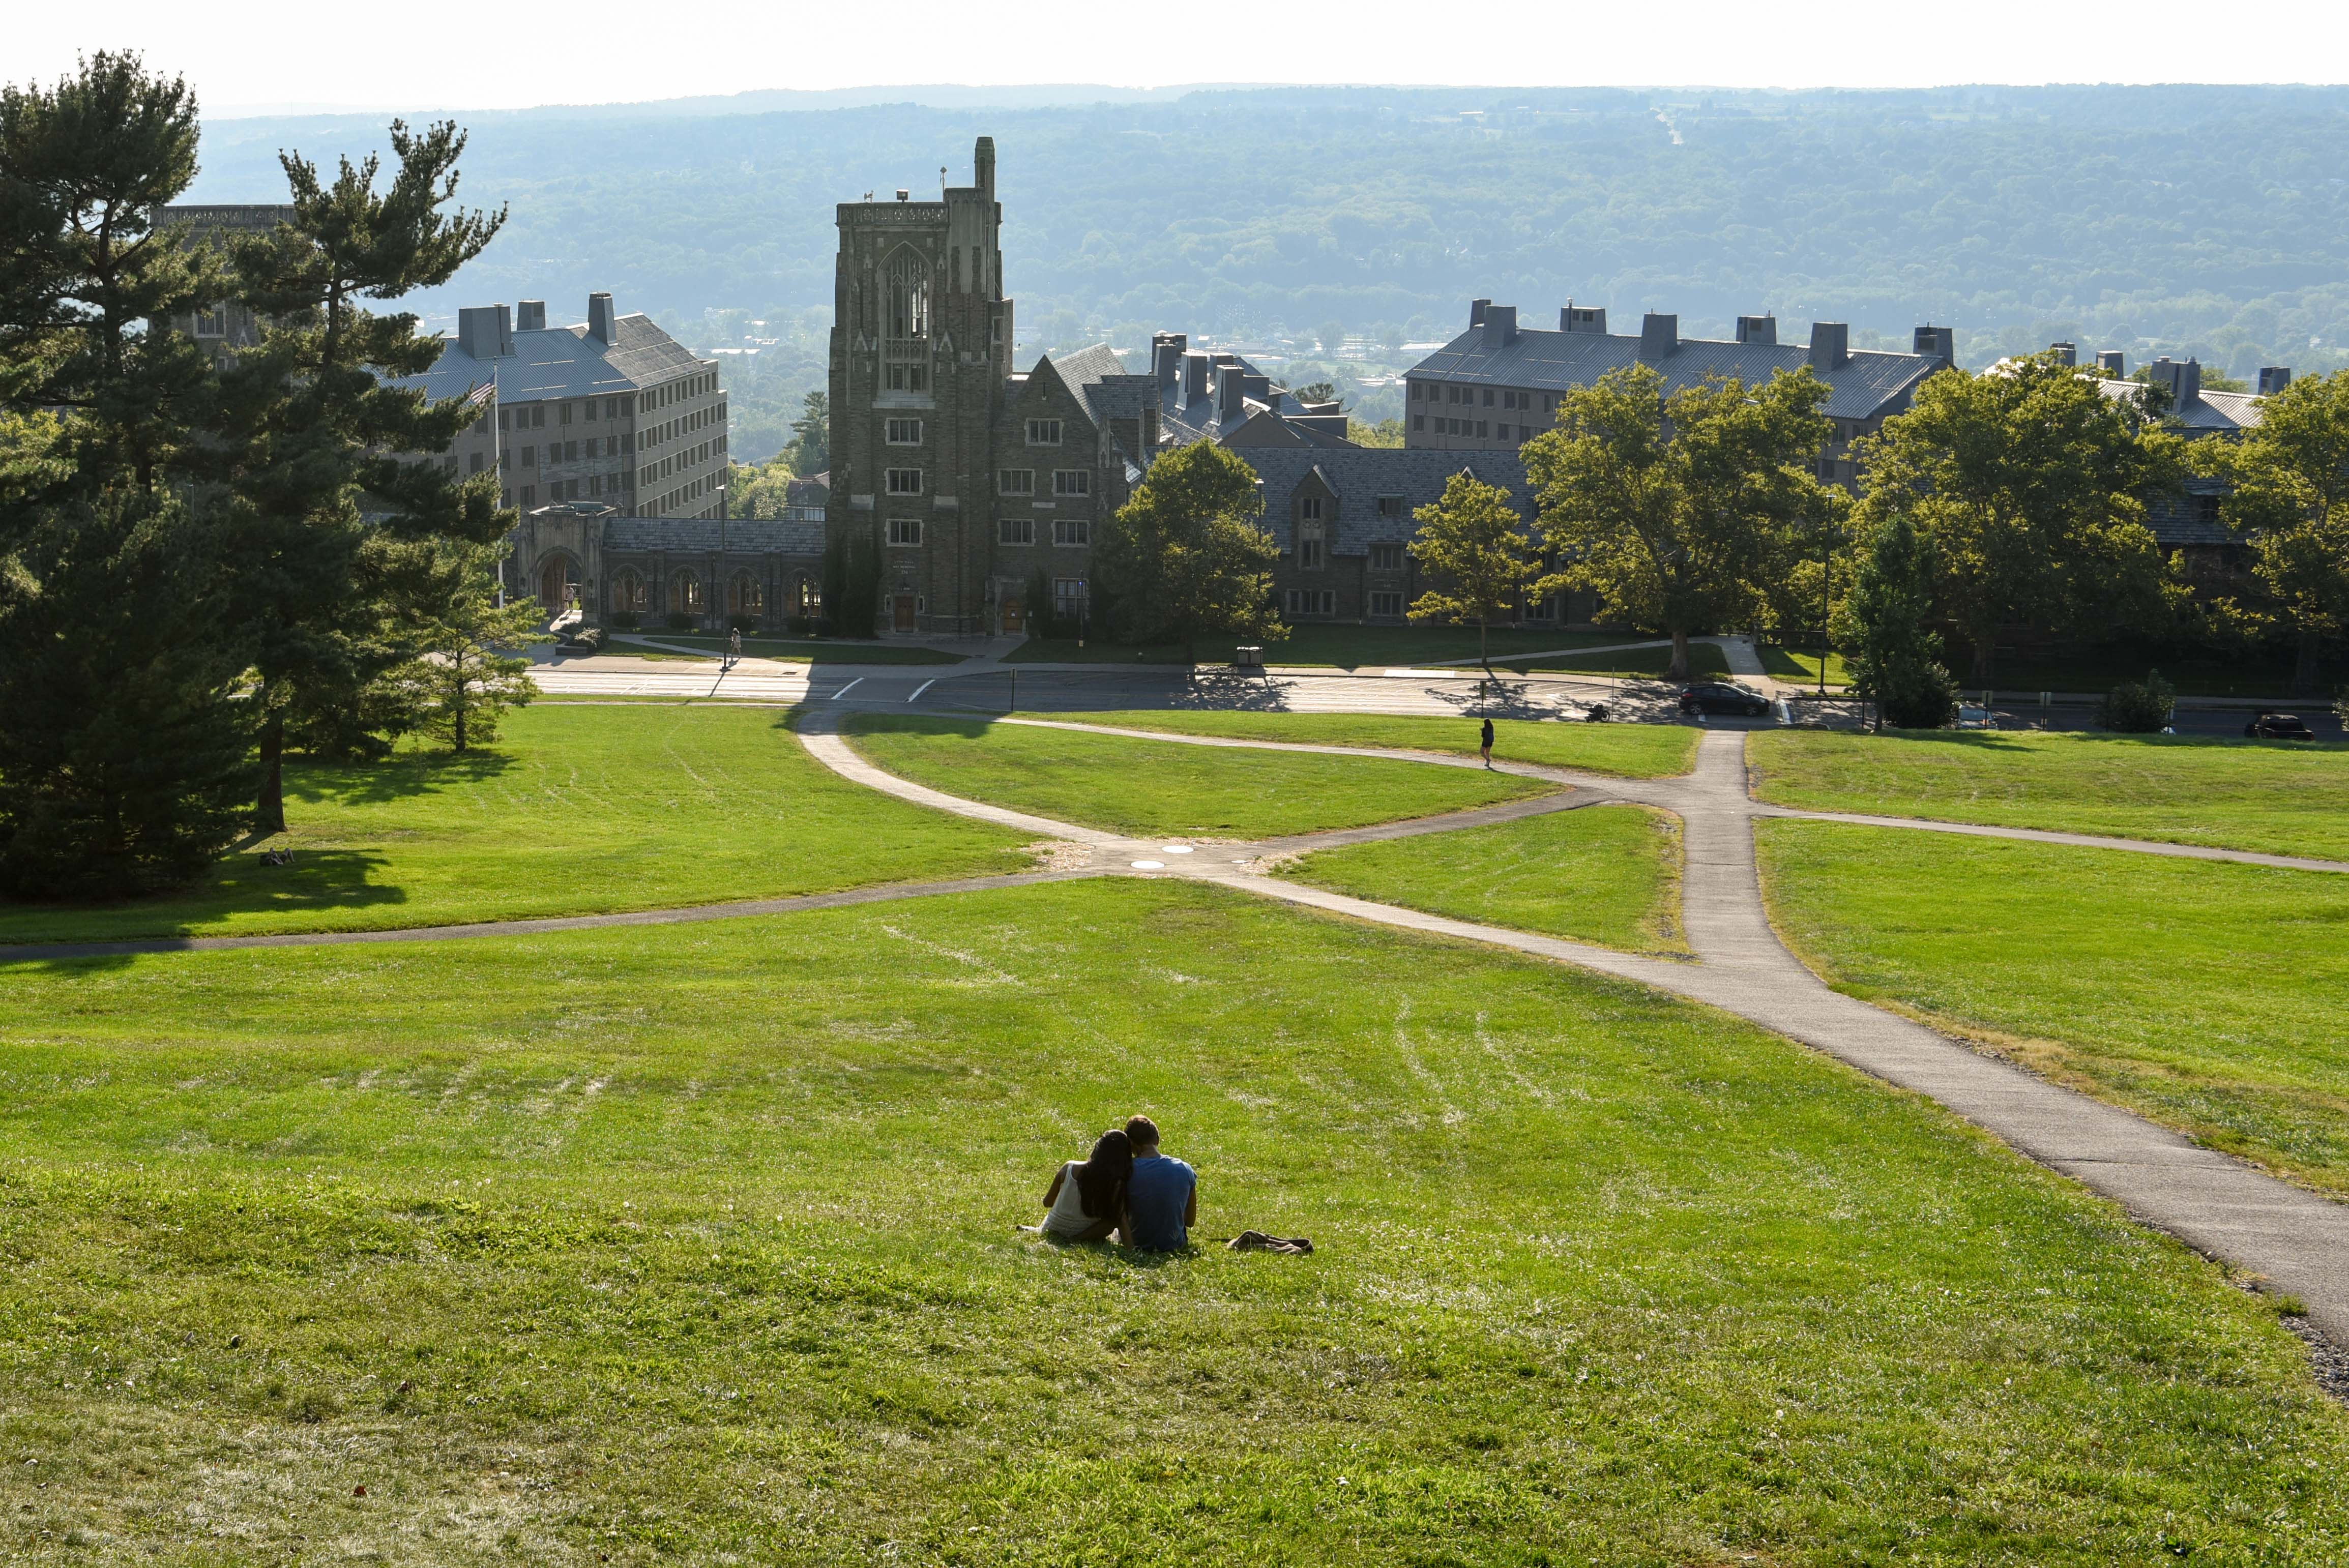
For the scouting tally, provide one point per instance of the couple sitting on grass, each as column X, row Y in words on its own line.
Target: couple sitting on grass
column 1150, row 1200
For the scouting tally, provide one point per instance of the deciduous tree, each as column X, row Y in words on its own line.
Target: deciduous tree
column 1477, row 556
column 469, row 673
column 2291, row 499
column 1188, row 556
column 2033, row 487
column 1675, row 510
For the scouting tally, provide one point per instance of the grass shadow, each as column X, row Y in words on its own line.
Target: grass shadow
column 400, row 777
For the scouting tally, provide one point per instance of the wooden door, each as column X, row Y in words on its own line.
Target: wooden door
column 903, row 620
column 1012, row 624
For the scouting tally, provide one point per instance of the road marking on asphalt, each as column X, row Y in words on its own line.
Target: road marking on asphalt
column 923, row 687
column 851, row 686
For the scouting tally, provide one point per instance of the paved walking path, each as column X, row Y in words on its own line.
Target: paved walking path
column 2217, row 1204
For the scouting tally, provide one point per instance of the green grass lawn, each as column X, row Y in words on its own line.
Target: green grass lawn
column 2211, row 997
column 1337, row 648
column 1145, row 787
column 1607, row 874
column 1803, row 665
column 1631, row 750
column 791, row 650
column 578, row 809
column 694, row 1244
column 2246, row 795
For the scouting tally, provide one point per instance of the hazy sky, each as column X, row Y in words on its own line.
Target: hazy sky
column 259, row 54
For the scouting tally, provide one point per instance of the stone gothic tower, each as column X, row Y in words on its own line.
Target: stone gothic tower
column 921, row 359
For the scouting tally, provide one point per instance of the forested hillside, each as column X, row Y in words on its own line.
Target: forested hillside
column 2205, row 220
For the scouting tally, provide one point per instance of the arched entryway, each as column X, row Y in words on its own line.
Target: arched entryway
column 558, row 583
column 807, row 599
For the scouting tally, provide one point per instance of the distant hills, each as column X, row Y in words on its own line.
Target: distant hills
column 2213, row 220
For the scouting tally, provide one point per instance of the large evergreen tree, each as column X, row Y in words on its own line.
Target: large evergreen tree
column 123, row 740
column 1186, row 557
column 1885, row 627
column 1678, row 510
column 2031, row 486
column 317, row 467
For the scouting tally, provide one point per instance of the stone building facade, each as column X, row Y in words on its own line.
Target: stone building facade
column 698, row 573
column 970, row 477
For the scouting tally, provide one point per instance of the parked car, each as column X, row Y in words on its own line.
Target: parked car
column 1973, row 717
column 1720, row 697
column 2279, row 727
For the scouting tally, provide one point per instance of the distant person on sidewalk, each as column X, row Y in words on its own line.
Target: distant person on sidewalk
column 1162, row 1196
column 734, row 648
column 1486, row 749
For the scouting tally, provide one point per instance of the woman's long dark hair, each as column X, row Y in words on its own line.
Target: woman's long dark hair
column 1102, row 1176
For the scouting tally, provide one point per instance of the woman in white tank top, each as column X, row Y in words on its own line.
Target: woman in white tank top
column 1087, row 1199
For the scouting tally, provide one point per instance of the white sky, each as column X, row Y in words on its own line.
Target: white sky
column 262, row 55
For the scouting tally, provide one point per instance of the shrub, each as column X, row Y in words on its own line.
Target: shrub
column 2134, row 708
column 588, row 637
column 823, row 626
column 680, row 622
column 743, row 622
column 627, row 620
column 797, row 625
column 1926, row 698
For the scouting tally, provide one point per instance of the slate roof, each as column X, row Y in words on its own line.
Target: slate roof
column 1360, row 475
column 2210, row 413
column 701, row 535
column 562, row 362
column 1199, row 418
column 1860, row 388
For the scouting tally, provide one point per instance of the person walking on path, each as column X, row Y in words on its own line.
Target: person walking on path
column 734, row 648
column 1487, row 748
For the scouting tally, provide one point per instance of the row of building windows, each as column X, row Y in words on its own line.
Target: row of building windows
column 1425, row 391
column 1067, row 532
column 653, row 473
column 745, row 595
column 569, row 451
column 1479, row 428
column 908, row 432
column 1065, row 481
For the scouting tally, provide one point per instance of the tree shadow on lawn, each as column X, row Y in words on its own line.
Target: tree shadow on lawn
column 400, row 777
column 317, row 880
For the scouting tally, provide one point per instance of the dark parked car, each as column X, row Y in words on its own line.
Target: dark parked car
column 2279, row 727
column 1720, row 697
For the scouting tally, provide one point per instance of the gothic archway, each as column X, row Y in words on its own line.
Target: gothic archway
column 628, row 595
column 684, row 594
column 558, row 583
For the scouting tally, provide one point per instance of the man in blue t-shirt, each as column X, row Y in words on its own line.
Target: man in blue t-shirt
column 1162, row 1197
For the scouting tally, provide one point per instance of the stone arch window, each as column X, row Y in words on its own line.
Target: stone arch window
column 807, row 598
column 745, row 595
column 1312, row 546
column 906, row 322
column 684, row 594
column 628, row 595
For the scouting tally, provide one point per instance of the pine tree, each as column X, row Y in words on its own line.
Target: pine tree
column 469, row 673
column 123, row 742
column 317, row 470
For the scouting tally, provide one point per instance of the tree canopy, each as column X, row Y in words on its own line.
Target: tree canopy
column 1677, row 510
column 2290, row 496
column 1185, row 556
column 1479, row 559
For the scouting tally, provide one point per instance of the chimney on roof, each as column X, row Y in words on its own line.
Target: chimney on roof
column 1757, row 329
column 2274, row 378
column 1231, row 391
column 1936, row 343
column 484, row 331
column 1166, row 359
column 2066, row 354
column 1500, row 326
column 1573, row 318
column 1830, row 345
column 530, row 316
column 2183, row 380
column 600, row 325
column 1476, row 309
column 982, row 165
column 1194, row 374
column 1659, row 336
column 2112, row 364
